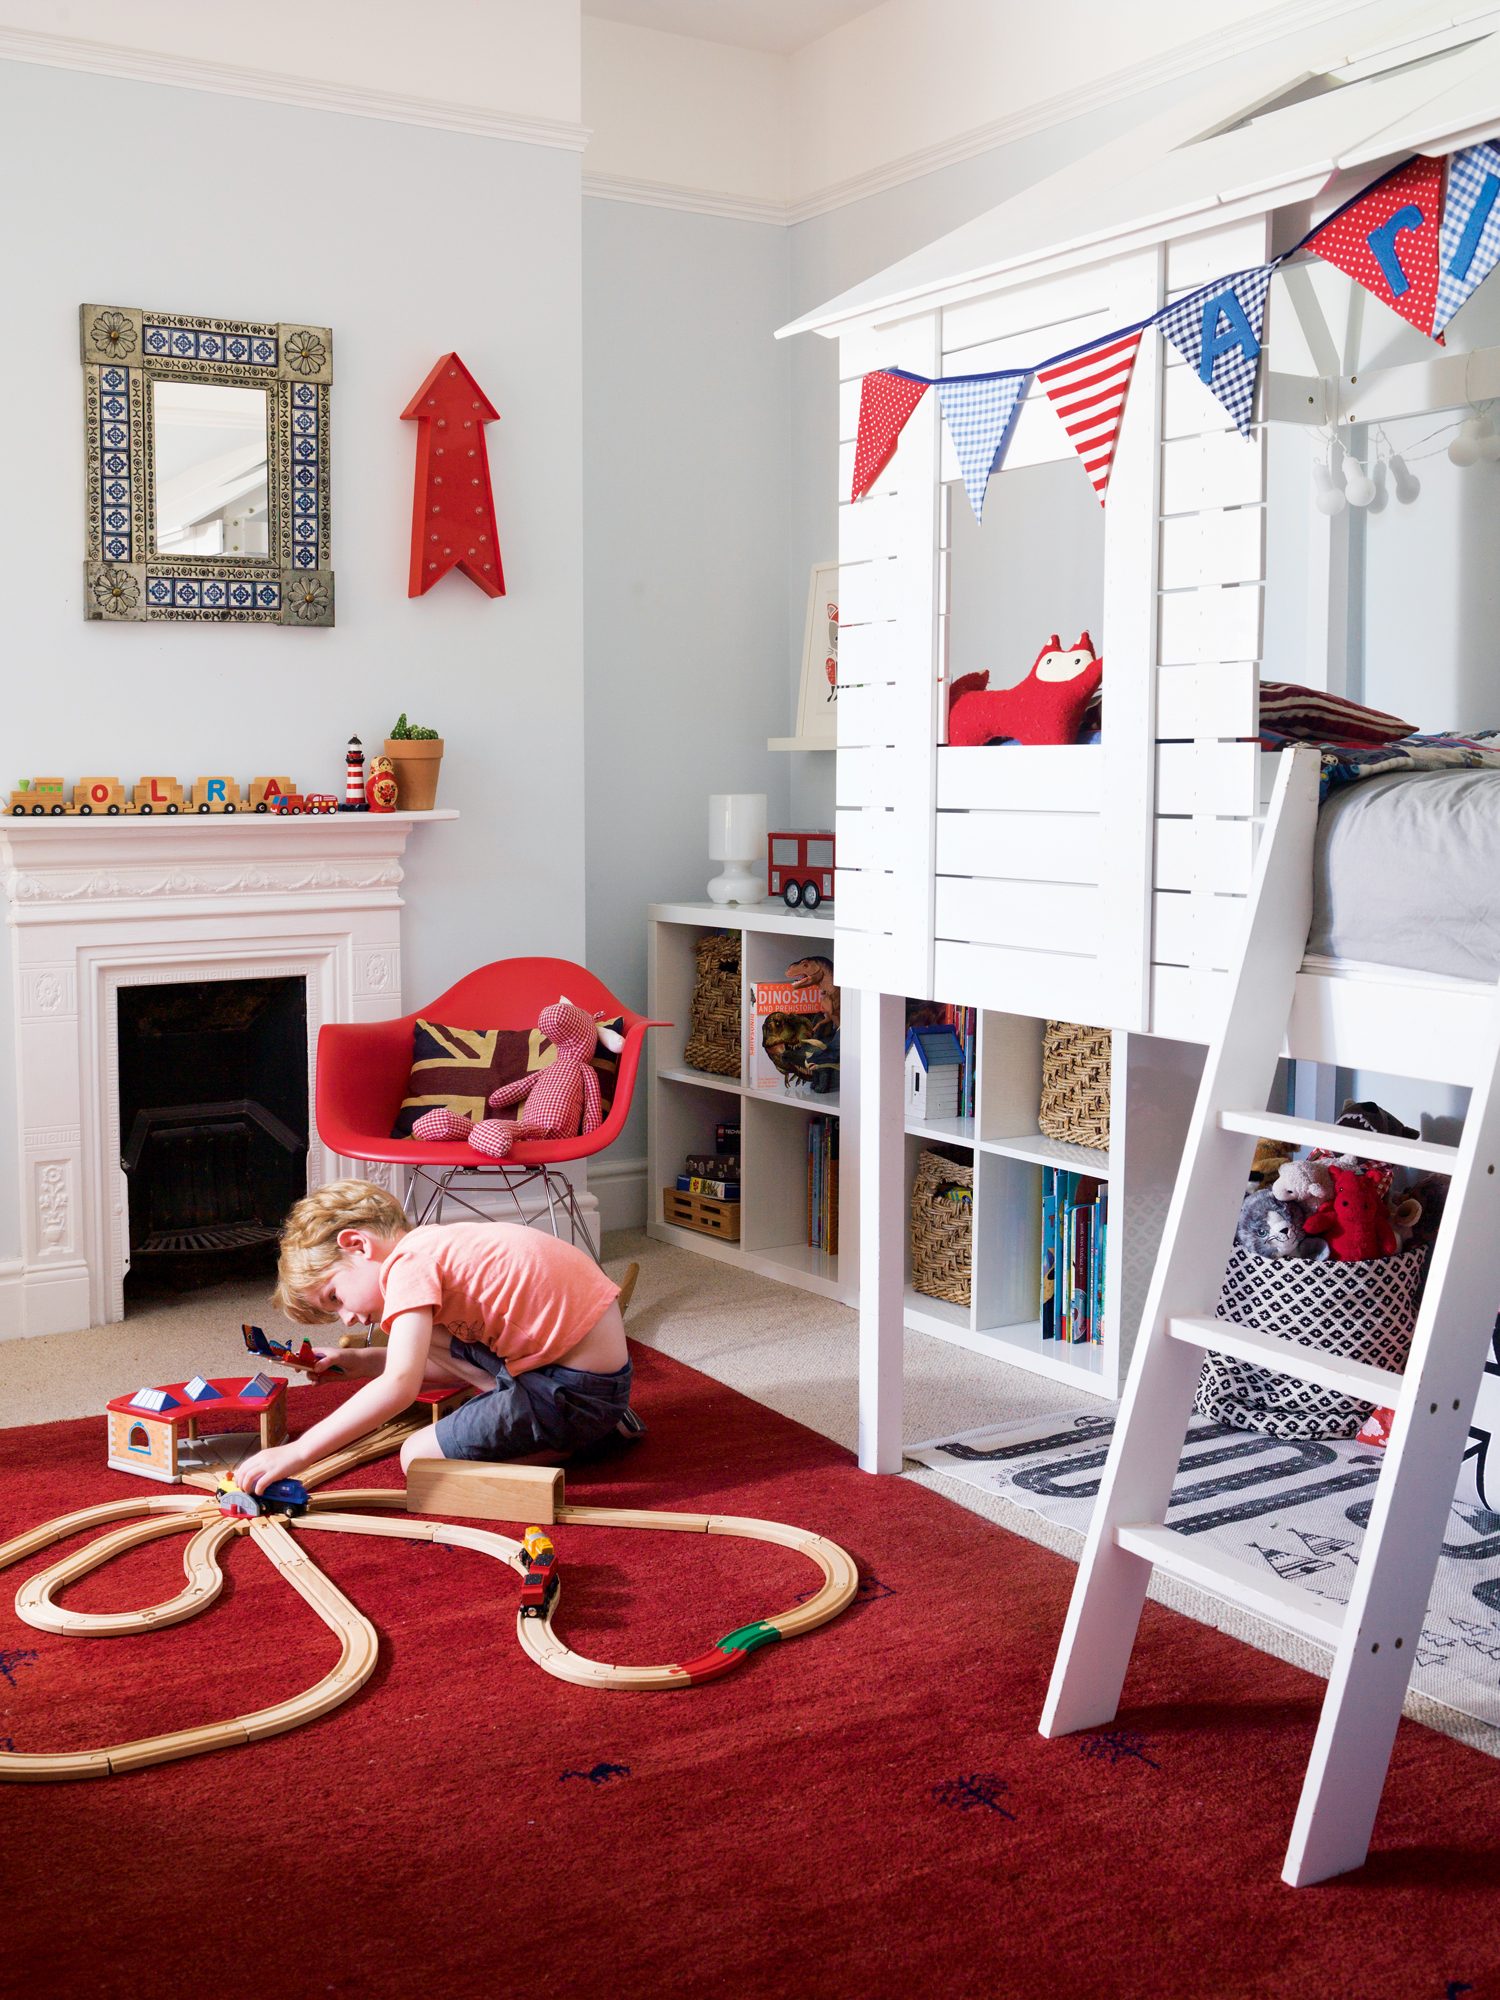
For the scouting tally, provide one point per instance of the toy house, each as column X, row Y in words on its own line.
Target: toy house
column 148, row 1432
column 934, row 1062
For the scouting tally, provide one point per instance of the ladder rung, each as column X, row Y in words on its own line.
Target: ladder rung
column 1262, row 1592
column 1366, row 1384
column 1423, row 1154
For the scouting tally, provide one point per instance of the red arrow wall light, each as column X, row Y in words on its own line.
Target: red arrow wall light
column 453, row 513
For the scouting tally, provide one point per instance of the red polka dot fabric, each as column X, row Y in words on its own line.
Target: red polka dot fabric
column 1387, row 240
column 885, row 403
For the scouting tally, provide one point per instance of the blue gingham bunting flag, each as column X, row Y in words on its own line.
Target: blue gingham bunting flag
column 981, row 414
column 1216, row 330
column 1470, row 245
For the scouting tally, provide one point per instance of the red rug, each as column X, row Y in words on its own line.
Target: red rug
column 867, row 1812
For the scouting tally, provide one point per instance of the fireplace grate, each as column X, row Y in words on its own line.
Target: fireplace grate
column 189, row 1242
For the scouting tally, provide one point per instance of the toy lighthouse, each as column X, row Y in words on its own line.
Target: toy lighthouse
column 354, row 778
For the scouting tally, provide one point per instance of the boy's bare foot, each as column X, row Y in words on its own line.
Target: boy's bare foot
column 627, row 1286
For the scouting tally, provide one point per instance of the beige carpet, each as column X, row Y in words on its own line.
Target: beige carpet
column 797, row 1353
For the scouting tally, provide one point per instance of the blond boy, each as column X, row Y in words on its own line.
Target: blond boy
column 528, row 1320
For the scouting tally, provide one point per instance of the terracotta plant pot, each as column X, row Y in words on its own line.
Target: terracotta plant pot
column 416, row 764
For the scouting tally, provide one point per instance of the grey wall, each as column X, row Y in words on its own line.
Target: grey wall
column 407, row 242
column 686, row 483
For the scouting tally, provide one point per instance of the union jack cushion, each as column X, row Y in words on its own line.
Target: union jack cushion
column 455, row 1069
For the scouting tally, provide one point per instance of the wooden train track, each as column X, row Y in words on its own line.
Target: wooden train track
column 132, row 1523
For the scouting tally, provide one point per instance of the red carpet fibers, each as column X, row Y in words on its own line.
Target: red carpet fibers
column 867, row 1812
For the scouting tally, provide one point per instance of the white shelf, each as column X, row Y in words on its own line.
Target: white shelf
column 1041, row 1151
column 936, row 1316
column 731, row 1086
column 790, row 1263
column 770, row 915
column 946, row 1131
column 1079, row 1362
column 796, row 1100
column 802, row 1259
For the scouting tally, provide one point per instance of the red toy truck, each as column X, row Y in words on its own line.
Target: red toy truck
column 799, row 866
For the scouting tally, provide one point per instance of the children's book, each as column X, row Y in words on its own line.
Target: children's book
column 699, row 1184
column 793, row 1045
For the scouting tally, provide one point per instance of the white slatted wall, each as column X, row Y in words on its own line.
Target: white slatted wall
column 1210, row 625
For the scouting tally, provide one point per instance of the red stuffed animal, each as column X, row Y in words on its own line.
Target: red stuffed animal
column 1356, row 1222
column 1046, row 707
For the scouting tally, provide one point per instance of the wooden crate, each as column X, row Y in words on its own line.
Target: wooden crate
column 701, row 1211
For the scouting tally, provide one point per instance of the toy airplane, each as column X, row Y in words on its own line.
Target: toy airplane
column 280, row 1350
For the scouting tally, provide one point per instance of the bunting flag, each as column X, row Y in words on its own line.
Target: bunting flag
column 885, row 403
column 1471, row 228
column 981, row 412
column 1088, row 393
column 1387, row 240
column 1216, row 330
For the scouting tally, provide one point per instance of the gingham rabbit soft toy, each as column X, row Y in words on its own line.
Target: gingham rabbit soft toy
column 557, row 1102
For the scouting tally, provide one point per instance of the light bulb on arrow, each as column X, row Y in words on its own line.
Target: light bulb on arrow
column 453, row 513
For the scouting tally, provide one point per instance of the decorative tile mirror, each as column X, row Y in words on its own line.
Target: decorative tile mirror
column 207, row 450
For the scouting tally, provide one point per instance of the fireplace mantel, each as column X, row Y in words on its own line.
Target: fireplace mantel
column 95, row 903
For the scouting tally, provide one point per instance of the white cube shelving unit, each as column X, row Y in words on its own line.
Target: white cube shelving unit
column 1152, row 1085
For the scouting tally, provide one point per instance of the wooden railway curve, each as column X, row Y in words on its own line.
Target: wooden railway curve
column 358, row 1641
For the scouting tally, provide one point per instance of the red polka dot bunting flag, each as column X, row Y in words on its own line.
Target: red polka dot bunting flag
column 885, row 403
column 1387, row 240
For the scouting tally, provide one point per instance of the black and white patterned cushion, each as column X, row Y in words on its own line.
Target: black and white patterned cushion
column 1364, row 1310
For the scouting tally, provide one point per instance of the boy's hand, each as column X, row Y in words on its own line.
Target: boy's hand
column 261, row 1467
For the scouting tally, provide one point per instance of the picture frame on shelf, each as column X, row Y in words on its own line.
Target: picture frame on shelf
column 817, row 701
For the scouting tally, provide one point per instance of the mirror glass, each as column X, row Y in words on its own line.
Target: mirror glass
column 210, row 470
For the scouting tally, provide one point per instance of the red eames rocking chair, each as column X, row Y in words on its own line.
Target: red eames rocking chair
column 363, row 1069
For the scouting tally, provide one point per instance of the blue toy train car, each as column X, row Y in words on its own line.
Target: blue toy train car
column 282, row 1496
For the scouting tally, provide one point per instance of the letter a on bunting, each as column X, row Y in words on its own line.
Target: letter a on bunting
column 885, row 403
column 981, row 412
column 1387, row 239
column 1088, row 393
column 1216, row 330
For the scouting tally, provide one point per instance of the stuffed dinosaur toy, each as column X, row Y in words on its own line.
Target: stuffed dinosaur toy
column 1356, row 1223
column 558, row 1102
column 1046, row 707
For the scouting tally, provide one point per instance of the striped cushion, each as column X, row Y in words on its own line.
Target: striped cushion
column 455, row 1069
column 1311, row 715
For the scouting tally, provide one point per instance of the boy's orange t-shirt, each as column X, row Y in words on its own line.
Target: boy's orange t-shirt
column 520, row 1292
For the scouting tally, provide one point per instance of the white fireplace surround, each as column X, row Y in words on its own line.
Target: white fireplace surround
column 95, row 904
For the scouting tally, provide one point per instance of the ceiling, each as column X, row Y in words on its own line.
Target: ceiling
column 776, row 26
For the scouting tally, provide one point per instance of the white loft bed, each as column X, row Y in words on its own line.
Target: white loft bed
column 1105, row 884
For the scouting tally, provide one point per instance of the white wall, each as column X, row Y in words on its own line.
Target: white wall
column 686, row 471
column 407, row 242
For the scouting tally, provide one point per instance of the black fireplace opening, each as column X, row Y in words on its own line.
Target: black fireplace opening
column 213, row 1126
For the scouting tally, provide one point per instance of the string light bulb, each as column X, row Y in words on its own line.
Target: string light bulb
column 1359, row 488
column 1329, row 498
column 1408, row 486
column 1464, row 449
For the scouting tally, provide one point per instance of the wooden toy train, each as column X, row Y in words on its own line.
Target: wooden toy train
column 43, row 796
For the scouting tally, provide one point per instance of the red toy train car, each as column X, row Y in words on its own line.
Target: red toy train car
column 542, row 1580
column 799, row 866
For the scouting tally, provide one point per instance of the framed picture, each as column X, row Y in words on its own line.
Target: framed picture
column 817, row 704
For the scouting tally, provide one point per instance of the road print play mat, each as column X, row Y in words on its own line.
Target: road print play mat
column 1297, row 1506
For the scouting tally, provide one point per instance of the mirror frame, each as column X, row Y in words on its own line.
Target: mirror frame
column 124, row 351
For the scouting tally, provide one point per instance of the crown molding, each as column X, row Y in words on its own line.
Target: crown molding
column 306, row 94
column 1042, row 116
column 695, row 201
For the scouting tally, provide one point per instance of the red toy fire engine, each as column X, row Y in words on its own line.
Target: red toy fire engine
column 799, row 866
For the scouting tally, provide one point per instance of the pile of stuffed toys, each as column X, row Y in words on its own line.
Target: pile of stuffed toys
column 1334, row 1205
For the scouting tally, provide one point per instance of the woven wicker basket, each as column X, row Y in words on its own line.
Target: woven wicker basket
column 1075, row 1084
column 713, row 1041
column 942, row 1227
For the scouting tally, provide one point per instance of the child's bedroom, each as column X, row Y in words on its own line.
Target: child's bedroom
column 749, row 1218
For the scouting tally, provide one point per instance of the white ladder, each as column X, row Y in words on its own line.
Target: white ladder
column 1374, row 1637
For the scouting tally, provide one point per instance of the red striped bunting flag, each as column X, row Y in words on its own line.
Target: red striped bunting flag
column 1088, row 393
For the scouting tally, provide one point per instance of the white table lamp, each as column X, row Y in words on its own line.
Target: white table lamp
column 737, row 837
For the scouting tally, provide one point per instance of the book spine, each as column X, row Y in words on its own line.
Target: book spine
column 715, row 1190
column 1049, row 1265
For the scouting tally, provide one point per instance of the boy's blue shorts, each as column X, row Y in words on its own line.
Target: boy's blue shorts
column 546, row 1409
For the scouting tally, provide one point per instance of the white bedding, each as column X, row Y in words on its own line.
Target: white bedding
column 1406, row 871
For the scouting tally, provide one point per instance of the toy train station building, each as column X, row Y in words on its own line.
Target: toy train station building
column 147, row 1429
